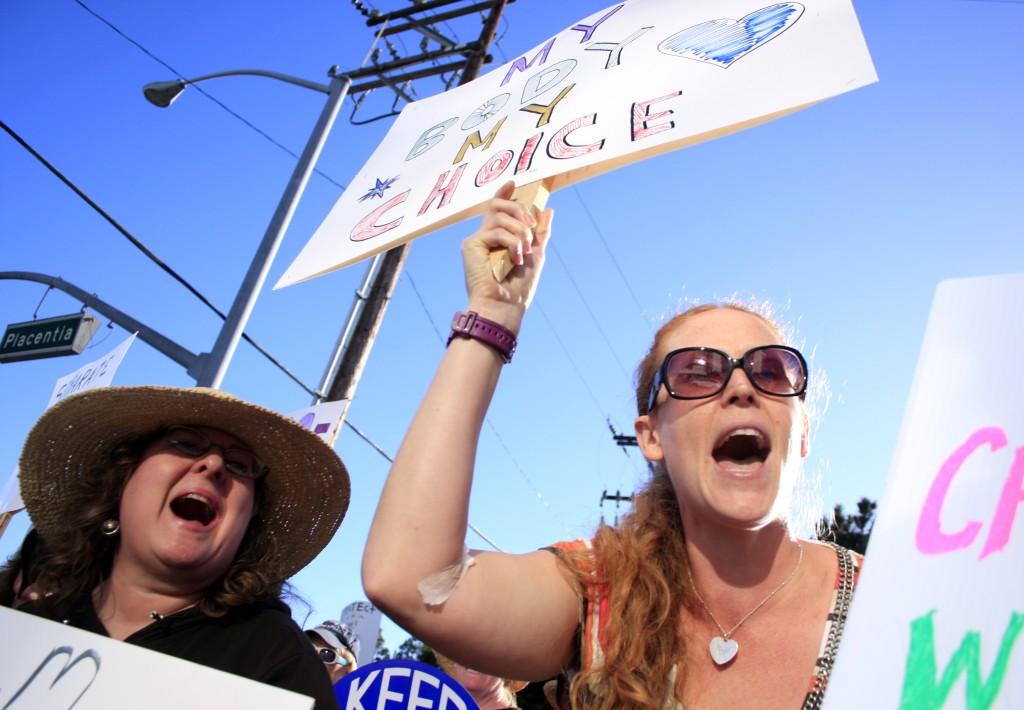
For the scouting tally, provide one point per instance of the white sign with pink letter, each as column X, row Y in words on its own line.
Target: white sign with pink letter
column 640, row 78
column 937, row 617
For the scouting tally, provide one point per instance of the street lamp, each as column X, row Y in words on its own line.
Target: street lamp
column 209, row 370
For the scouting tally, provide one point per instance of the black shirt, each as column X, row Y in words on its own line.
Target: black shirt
column 256, row 641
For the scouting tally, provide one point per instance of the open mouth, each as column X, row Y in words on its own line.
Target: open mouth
column 742, row 449
column 195, row 508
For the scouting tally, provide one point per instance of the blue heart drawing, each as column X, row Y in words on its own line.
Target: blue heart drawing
column 722, row 42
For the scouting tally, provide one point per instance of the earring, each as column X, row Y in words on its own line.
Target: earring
column 110, row 527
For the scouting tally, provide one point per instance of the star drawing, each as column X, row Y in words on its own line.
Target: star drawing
column 378, row 189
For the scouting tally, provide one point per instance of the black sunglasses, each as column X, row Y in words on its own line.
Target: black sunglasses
column 332, row 657
column 697, row 373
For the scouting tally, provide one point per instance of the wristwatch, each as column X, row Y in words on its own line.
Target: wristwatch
column 468, row 324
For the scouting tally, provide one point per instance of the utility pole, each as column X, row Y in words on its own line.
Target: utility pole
column 353, row 348
column 618, row 498
column 622, row 440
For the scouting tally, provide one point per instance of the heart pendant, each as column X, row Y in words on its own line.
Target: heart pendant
column 723, row 650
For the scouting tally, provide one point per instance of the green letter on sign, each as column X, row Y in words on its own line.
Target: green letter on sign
column 923, row 690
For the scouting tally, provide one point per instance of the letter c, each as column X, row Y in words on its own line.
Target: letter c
column 930, row 539
column 367, row 227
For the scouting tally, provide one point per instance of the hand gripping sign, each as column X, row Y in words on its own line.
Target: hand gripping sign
column 640, row 78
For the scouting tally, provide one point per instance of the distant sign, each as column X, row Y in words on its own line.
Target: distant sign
column 401, row 684
column 322, row 419
column 638, row 79
column 50, row 337
column 98, row 373
column 938, row 615
column 44, row 664
column 364, row 619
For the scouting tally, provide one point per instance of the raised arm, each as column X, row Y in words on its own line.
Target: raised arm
column 511, row 615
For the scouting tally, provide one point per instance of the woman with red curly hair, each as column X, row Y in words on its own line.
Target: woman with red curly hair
column 701, row 597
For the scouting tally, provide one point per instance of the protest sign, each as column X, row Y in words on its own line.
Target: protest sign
column 638, row 79
column 99, row 373
column 937, row 617
column 364, row 619
column 44, row 664
column 322, row 419
column 401, row 684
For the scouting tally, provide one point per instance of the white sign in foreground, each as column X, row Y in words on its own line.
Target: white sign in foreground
column 44, row 664
column 937, row 617
column 637, row 79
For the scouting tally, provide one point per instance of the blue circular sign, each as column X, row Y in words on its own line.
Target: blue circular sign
column 401, row 684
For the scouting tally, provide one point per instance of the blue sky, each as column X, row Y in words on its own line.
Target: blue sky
column 845, row 215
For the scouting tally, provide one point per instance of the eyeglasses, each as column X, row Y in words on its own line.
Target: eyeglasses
column 697, row 373
column 332, row 657
column 194, row 444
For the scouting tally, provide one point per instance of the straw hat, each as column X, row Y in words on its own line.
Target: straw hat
column 306, row 490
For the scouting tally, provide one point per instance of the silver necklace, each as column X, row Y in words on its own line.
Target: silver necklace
column 724, row 649
column 158, row 617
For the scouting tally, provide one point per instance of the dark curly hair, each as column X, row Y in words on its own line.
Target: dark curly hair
column 81, row 559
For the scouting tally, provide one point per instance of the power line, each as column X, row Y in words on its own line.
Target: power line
column 145, row 250
column 600, row 235
column 572, row 362
column 433, row 324
column 203, row 91
column 369, row 14
column 369, row 441
column 597, row 324
column 522, row 472
column 391, row 459
column 407, row 275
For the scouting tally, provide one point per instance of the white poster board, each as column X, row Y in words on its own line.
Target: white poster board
column 44, row 664
column 640, row 78
column 937, row 616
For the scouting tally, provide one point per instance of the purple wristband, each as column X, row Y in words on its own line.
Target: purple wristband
column 468, row 324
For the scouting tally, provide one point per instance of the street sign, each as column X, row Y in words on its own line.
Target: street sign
column 50, row 337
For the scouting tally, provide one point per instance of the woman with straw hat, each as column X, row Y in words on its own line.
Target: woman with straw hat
column 172, row 518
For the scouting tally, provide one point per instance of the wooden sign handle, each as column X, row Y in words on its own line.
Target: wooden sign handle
column 534, row 194
column 5, row 518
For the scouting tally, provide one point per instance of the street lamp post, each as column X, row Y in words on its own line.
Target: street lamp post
column 210, row 368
